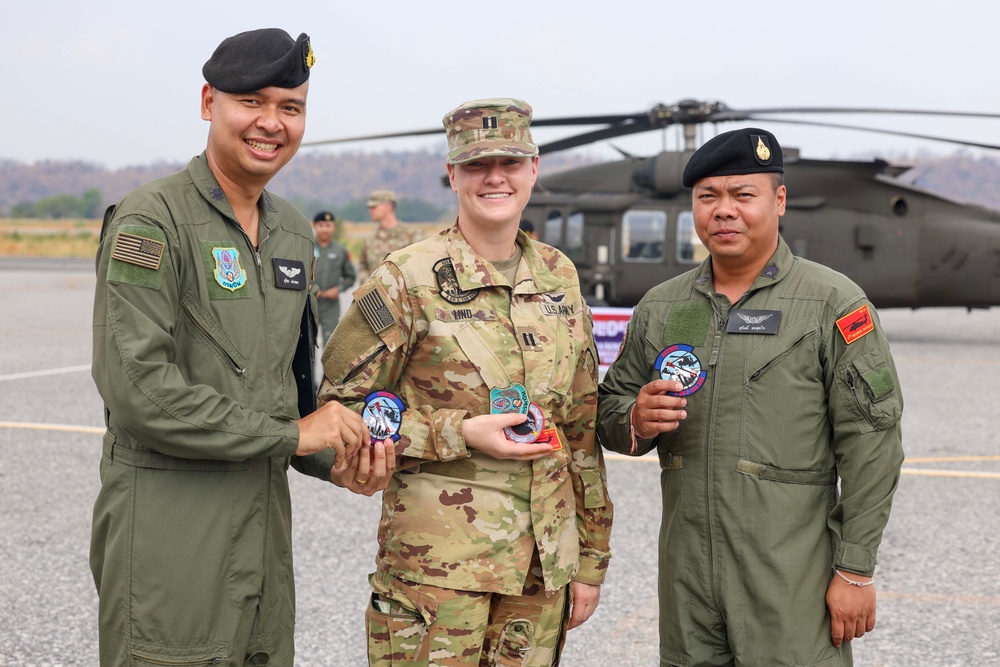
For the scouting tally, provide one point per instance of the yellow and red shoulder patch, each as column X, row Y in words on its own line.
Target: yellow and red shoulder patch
column 856, row 324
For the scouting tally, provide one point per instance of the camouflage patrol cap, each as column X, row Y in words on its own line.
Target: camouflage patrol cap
column 482, row 128
column 257, row 59
column 380, row 197
column 750, row 150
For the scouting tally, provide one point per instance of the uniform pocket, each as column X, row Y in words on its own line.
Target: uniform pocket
column 149, row 655
column 396, row 635
column 870, row 390
column 514, row 643
column 593, row 488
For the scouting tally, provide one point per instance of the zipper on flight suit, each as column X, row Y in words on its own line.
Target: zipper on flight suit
column 240, row 372
column 857, row 399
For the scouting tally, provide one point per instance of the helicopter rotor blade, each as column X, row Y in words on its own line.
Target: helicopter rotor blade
column 742, row 114
column 369, row 137
column 898, row 133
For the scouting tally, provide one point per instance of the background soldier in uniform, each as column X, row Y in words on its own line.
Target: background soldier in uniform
column 762, row 561
column 334, row 273
column 390, row 234
column 191, row 542
column 481, row 537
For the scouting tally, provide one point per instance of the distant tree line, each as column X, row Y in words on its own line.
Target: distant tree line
column 88, row 205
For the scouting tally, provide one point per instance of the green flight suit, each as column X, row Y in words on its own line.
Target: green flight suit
column 333, row 269
column 194, row 335
column 753, row 522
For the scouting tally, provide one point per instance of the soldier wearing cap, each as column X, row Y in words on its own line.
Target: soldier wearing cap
column 481, row 340
column 335, row 273
column 208, row 391
column 761, row 380
column 388, row 236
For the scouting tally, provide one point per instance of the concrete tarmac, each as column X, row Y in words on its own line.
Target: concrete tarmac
column 938, row 577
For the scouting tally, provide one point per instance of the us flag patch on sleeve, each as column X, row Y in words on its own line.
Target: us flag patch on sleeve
column 856, row 324
column 138, row 250
column 377, row 314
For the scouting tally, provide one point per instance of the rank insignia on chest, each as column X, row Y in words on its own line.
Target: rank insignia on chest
column 680, row 364
column 509, row 399
column 530, row 429
column 763, row 322
column 383, row 414
column 228, row 272
column 444, row 273
column 856, row 324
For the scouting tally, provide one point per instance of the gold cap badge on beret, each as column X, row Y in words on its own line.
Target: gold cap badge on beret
column 484, row 128
column 763, row 152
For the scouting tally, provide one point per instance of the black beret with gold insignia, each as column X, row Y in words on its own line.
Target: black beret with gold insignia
column 746, row 151
column 257, row 59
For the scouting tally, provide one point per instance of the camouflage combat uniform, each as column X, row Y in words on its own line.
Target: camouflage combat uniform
column 381, row 243
column 439, row 326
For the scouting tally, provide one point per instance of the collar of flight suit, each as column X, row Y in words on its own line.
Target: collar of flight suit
column 474, row 272
column 208, row 187
column 777, row 268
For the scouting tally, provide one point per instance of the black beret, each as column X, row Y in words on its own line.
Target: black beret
column 257, row 59
column 324, row 216
column 746, row 151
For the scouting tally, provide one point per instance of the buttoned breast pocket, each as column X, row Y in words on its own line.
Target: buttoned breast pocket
column 784, row 400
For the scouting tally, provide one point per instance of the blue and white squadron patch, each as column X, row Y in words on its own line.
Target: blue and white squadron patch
column 228, row 272
column 383, row 414
column 680, row 364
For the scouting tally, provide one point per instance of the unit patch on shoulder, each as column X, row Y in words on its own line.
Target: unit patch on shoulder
column 376, row 312
column 138, row 250
column 856, row 324
column 444, row 273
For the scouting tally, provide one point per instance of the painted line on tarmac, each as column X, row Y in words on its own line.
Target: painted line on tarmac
column 941, row 598
column 50, row 371
column 69, row 428
column 904, row 471
column 950, row 459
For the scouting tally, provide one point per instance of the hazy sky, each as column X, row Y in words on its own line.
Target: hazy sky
column 117, row 82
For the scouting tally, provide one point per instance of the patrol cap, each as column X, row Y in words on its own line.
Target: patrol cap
column 324, row 216
column 483, row 128
column 380, row 197
column 257, row 59
column 749, row 150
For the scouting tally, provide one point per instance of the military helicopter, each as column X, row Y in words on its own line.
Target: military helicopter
column 627, row 224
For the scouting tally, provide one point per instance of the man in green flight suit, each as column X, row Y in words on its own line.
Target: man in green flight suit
column 334, row 273
column 202, row 342
column 761, row 379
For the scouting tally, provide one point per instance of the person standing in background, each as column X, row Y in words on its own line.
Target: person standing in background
column 334, row 273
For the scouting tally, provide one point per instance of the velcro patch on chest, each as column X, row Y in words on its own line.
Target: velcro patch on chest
column 856, row 324
column 289, row 274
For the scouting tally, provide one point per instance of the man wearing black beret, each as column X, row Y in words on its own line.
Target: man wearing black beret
column 203, row 337
column 762, row 381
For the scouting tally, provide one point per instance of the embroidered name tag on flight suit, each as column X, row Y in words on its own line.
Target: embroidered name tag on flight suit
column 754, row 322
column 289, row 274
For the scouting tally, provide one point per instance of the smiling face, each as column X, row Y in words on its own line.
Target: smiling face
column 253, row 135
column 736, row 217
column 493, row 191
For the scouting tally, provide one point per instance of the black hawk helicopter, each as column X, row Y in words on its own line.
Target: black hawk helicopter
column 627, row 224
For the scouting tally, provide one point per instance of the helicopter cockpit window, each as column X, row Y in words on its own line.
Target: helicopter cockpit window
column 552, row 233
column 690, row 249
column 573, row 246
column 643, row 236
